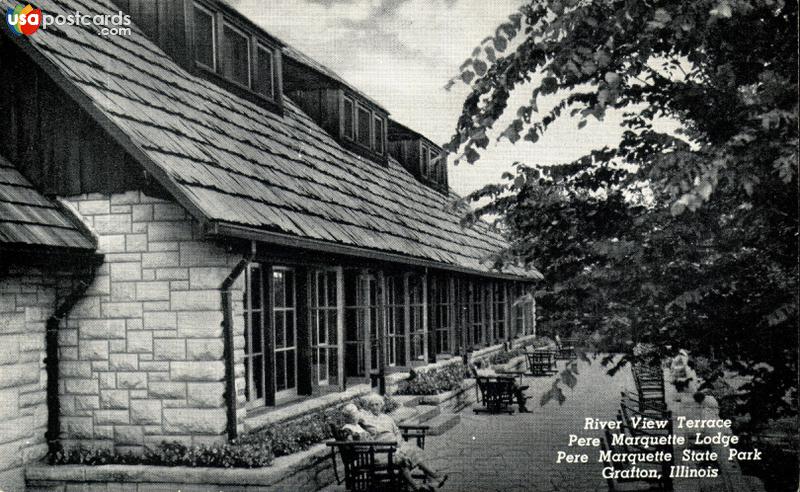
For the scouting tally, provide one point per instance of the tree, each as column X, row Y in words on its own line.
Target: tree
column 685, row 239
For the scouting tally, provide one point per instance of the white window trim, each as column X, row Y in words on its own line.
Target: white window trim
column 248, row 40
column 214, row 40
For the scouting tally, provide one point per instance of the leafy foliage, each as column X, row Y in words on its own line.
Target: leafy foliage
column 435, row 381
column 683, row 239
column 252, row 450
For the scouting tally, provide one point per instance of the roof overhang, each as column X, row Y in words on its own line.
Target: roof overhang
column 277, row 238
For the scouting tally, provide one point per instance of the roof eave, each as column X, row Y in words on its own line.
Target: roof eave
column 281, row 239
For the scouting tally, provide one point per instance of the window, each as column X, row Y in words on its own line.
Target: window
column 425, row 161
column 416, row 327
column 476, row 315
column 324, row 308
column 499, row 311
column 395, row 321
column 349, row 125
column 363, row 125
column 254, row 335
column 284, row 320
column 378, row 140
column 439, row 317
column 235, row 56
column 264, row 83
column 361, row 323
column 519, row 311
column 204, row 37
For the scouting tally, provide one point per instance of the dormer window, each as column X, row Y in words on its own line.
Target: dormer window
column 204, row 38
column 235, row 55
column 378, row 135
column 363, row 125
column 348, row 125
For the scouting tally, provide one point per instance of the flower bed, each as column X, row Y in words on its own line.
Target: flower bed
column 435, row 381
column 252, row 450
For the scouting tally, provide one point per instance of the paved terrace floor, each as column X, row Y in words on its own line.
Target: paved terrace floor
column 518, row 452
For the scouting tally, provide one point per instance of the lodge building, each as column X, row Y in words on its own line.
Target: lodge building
column 200, row 225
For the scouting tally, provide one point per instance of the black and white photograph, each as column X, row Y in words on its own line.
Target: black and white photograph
column 399, row 245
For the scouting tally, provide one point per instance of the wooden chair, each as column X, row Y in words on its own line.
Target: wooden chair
column 496, row 394
column 566, row 349
column 368, row 466
column 541, row 362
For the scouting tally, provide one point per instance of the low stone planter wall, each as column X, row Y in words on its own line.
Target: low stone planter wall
column 308, row 470
column 442, row 398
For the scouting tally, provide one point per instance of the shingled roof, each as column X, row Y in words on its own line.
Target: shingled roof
column 27, row 218
column 233, row 163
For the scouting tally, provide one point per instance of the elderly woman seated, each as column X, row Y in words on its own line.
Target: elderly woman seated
column 382, row 427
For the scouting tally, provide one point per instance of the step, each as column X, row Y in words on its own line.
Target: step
column 407, row 400
column 442, row 423
column 415, row 415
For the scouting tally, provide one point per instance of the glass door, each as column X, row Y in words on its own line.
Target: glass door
column 284, row 320
column 324, row 315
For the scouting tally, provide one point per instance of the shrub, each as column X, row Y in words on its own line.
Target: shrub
column 435, row 381
column 255, row 449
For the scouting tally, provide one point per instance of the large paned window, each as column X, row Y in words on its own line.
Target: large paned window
column 499, row 310
column 205, row 37
column 348, row 125
column 477, row 311
column 235, row 56
column 264, row 83
column 254, row 338
column 284, row 321
column 518, row 311
column 395, row 321
column 363, row 125
column 361, row 323
column 239, row 55
column 324, row 310
column 416, row 318
column 440, row 314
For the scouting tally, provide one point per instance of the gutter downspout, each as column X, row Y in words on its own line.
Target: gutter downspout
column 227, row 333
column 51, row 357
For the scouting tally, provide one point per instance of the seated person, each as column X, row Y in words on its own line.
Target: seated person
column 519, row 391
column 382, row 427
column 680, row 371
column 351, row 430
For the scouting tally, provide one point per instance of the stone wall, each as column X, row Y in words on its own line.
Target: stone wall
column 141, row 355
column 27, row 300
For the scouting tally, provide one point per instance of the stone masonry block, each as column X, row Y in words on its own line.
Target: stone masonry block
column 94, row 207
column 200, row 324
column 168, row 211
column 114, row 243
column 169, row 231
column 207, row 277
column 112, row 224
column 152, row 291
column 160, row 321
column 194, row 421
column 111, row 417
column 196, row 300
column 145, row 411
column 116, row 346
column 167, row 390
column 93, row 350
column 75, row 369
column 123, row 362
column 172, row 273
column 210, row 371
column 136, row 243
column 204, row 349
column 205, row 395
column 170, row 349
column 77, row 427
column 126, row 271
column 102, row 329
column 107, row 380
column 114, row 399
column 163, row 259
column 101, row 286
column 201, row 254
column 9, row 350
column 132, row 380
column 142, row 213
column 129, row 435
column 82, row 386
column 127, row 198
column 163, row 246
column 122, row 310
column 140, row 341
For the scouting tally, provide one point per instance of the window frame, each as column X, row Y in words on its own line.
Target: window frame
column 357, row 126
column 248, row 38
column 255, row 73
column 214, row 41
column 352, row 136
column 376, row 137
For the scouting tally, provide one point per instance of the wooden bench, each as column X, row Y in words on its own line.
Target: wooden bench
column 649, row 385
column 541, row 362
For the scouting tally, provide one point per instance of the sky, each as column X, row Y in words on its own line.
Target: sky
column 402, row 53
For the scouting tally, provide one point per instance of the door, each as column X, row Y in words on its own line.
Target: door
column 284, row 321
